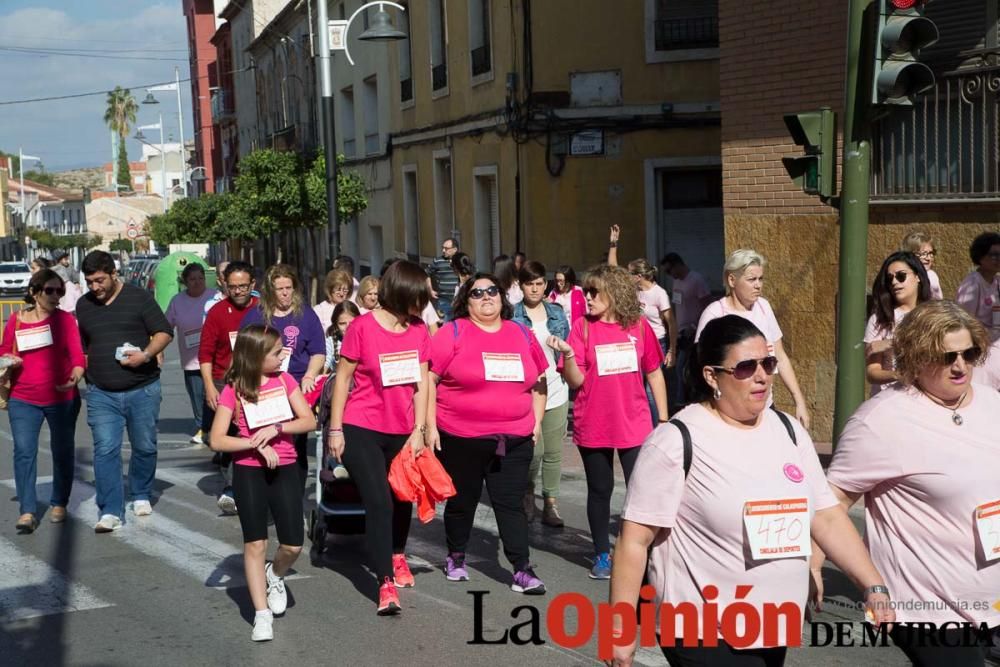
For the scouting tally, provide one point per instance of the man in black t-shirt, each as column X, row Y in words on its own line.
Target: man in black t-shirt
column 123, row 329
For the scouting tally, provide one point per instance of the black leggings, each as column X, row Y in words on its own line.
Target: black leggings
column 927, row 651
column 598, row 464
column 470, row 461
column 257, row 490
column 723, row 655
column 367, row 457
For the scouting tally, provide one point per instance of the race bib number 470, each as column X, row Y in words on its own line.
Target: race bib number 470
column 777, row 528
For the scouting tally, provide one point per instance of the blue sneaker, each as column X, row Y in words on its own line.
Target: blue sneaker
column 526, row 582
column 602, row 566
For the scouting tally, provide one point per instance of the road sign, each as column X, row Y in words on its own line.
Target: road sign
column 132, row 233
column 132, row 224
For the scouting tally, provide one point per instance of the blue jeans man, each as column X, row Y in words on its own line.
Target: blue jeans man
column 109, row 414
column 25, row 425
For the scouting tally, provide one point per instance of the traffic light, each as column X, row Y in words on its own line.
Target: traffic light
column 816, row 132
column 902, row 32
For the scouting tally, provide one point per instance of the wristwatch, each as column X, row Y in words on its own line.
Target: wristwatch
column 422, row 429
column 878, row 588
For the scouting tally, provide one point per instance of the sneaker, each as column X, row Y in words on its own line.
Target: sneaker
column 226, row 502
column 388, row 599
column 550, row 514
column 401, row 574
column 277, row 598
column 142, row 508
column 454, row 567
column 340, row 472
column 263, row 627
column 196, row 438
column 526, row 582
column 602, row 566
column 107, row 523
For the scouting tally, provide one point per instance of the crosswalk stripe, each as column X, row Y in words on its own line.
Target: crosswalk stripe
column 215, row 563
column 29, row 587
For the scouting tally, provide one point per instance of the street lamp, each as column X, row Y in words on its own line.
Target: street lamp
column 333, row 37
column 20, row 169
column 151, row 99
column 140, row 137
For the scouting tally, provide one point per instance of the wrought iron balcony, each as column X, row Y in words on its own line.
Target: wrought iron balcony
column 695, row 32
column 223, row 109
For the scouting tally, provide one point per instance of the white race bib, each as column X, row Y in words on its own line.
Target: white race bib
column 232, row 339
column 503, row 367
column 33, row 338
column 192, row 338
column 678, row 298
column 287, row 351
column 988, row 525
column 272, row 406
column 777, row 528
column 399, row 368
column 616, row 358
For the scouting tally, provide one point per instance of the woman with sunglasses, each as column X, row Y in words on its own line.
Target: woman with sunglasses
column 610, row 355
column 42, row 344
column 899, row 286
column 979, row 293
column 486, row 403
column 743, row 276
column 924, row 454
column 694, row 515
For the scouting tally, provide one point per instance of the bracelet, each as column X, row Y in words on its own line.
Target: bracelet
column 279, row 427
column 568, row 355
column 613, row 244
column 878, row 588
column 422, row 428
column 664, row 421
column 335, row 431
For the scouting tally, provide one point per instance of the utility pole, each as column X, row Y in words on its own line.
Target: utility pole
column 329, row 128
column 180, row 124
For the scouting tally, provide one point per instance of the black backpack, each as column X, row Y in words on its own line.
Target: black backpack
column 689, row 450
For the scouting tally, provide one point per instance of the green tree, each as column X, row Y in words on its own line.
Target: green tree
column 190, row 220
column 120, row 245
column 352, row 197
column 119, row 115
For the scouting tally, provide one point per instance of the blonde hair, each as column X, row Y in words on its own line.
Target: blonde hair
column 918, row 341
column 269, row 298
column 616, row 283
column 338, row 278
column 640, row 267
column 738, row 262
column 367, row 284
column 913, row 241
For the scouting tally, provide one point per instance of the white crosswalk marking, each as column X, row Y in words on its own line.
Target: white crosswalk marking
column 29, row 587
column 211, row 561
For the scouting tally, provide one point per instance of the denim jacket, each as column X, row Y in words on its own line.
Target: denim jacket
column 556, row 322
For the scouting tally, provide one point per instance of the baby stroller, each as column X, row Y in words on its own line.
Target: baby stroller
column 339, row 509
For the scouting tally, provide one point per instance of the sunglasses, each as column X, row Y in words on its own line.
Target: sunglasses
column 898, row 276
column 58, row 291
column 746, row 369
column 480, row 292
column 970, row 355
column 592, row 292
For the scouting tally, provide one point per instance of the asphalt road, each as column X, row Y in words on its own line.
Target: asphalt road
column 169, row 589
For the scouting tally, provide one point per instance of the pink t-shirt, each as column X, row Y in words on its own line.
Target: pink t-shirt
column 935, row 284
column 982, row 300
column 654, row 301
column 989, row 373
column 282, row 445
column 688, row 293
column 611, row 409
column 873, row 332
column 760, row 314
column 44, row 367
column 486, row 378
column 384, row 358
column 186, row 314
column 923, row 478
column 707, row 544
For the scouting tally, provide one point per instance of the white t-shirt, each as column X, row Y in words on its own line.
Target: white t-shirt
column 935, row 284
column 688, row 293
column 760, row 314
column 514, row 294
column 324, row 311
column 982, row 300
column 923, row 478
column 557, row 389
column 654, row 301
column 873, row 332
column 707, row 542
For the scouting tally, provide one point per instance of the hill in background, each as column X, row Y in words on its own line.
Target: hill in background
column 77, row 179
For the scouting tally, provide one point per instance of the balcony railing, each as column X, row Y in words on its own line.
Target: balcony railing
column 696, row 32
column 222, row 106
column 947, row 145
column 481, row 61
column 439, row 76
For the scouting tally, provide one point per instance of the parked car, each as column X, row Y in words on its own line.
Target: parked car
column 14, row 277
column 146, row 280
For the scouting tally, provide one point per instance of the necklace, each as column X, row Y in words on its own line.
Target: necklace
column 955, row 417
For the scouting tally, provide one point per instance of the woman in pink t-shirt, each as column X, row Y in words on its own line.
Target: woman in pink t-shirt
column 486, row 402
column 731, row 509
column 743, row 276
column 898, row 287
column 610, row 356
column 924, row 454
column 385, row 354
column 267, row 407
column 979, row 293
column 42, row 346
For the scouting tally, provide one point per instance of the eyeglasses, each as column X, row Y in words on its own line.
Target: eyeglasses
column 592, row 292
column 747, row 368
column 480, row 292
column 59, row 291
column 898, row 276
column 239, row 288
column 969, row 354
column 339, row 290
column 926, row 254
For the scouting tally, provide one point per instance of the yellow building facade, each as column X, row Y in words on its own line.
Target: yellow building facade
column 534, row 126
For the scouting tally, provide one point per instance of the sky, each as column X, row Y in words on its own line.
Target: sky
column 71, row 133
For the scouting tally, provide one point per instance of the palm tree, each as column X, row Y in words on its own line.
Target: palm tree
column 119, row 116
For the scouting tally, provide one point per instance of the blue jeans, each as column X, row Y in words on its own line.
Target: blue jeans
column 108, row 414
column 25, row 425
column 196, row 394
column 444, row 307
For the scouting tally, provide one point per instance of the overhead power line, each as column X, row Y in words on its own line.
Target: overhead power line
column 38, row 53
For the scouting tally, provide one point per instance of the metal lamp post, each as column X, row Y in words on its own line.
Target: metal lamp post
column 151, row 99
column 333, row 37
column 139, row 136
column 20, row 169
